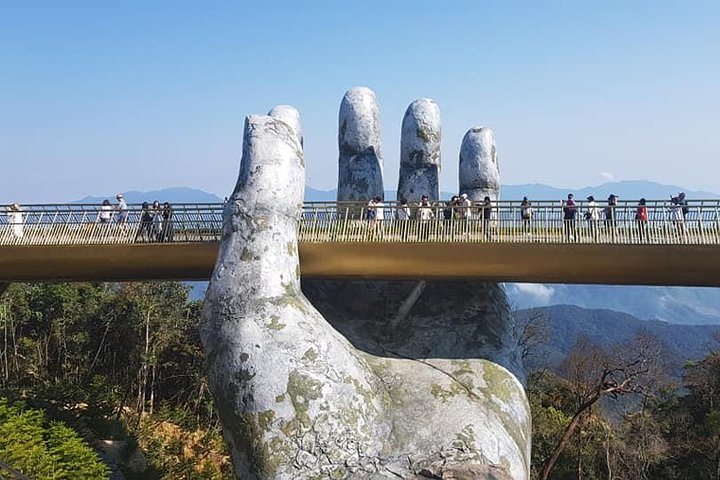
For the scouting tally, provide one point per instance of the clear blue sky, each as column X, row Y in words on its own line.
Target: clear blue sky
column 101, row 97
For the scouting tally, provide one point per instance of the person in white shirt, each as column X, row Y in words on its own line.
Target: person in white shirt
column 426, row 211
column 105, row 214
column 122, row 209
column 593, row 217
column 15, row 219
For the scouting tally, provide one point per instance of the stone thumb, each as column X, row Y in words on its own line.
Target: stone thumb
column 259, row 245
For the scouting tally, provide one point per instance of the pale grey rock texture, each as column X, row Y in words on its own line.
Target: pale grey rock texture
column 289, row 115
column 479, row 173
column 295, row 399
column 383, row 380
column 360, row 176
column 420, row 151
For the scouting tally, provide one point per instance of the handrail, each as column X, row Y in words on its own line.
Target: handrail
column 698, row 222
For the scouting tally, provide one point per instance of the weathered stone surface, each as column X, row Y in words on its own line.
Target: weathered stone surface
column 295, row 399
column 400, row 381
column 360, row 174
column 420, row 151
column 449, row 368
column 289, row 115
column 479, row 174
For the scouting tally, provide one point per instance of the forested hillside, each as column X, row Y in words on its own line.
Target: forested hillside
column 615, row 397
column 108, row 380
column 121, row 364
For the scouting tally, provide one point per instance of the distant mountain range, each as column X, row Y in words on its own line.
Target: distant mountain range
column 631, row 189
column 677, row 305
column 607, row 328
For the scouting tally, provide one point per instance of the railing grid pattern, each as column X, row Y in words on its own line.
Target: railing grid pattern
column 351, row 222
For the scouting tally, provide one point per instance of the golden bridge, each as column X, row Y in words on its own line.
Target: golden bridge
column 76, row 242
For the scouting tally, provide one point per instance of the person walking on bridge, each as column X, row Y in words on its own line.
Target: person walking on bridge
column 569, row 208
column 122, row 209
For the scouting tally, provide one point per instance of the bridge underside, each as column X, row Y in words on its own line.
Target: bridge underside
column 681, row 265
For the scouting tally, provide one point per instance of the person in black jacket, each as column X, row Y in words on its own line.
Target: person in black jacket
column 144, row 232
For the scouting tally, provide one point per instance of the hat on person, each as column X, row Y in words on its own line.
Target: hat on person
column 612, row 195
column 464, row 195
column 570, row 195
column 119, row 195
column 590, row 198
column 425, row 197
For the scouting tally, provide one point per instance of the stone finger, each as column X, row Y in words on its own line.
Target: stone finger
column 420, row 151
column 360, row 164
column 479, row 174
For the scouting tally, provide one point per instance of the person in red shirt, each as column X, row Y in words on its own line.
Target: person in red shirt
column 641, row 217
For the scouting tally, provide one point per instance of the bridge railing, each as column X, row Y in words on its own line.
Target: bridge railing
column 90, row 224
column 501, row 222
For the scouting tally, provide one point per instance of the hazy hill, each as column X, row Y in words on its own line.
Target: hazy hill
column 606, row 327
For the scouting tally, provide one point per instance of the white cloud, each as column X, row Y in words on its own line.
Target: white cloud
column 533, row 294
column 607, row 176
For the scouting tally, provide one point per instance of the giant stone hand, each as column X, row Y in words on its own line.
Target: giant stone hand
column 365, row 380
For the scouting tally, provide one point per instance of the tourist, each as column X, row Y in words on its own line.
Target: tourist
column 464, row 212
column 569, row 209
column 146, row 224
column 592, row 215
column 105, row 213
column 122, row 209
column 15, row 220
column 641, row 218
column 610, row 215
column 425, row 214
column 371, row 211
column 486, row 216
column 168, row 232
column 683, row 203
column 526, row 214
column 676, row 215
column 449, row 210
column 157, row 221
column 403, row 210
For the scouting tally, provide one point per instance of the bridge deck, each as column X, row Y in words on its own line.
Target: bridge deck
column 68, row 242
column 686, row 265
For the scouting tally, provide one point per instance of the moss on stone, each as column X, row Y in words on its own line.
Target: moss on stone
column 275, row 323
column 310, row 355
column 302, row 389
column 280, row 398
column 446, row 394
